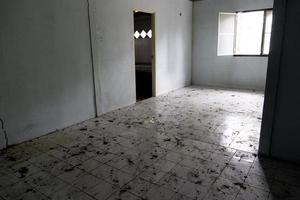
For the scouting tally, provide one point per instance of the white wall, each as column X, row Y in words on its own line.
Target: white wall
column 225, row 71
column 46, row 76
column 114, row 46
column 45, row 66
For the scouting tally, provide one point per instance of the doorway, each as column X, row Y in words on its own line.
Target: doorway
column 144, row 45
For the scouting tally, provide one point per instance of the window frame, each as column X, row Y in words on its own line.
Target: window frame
column 263, row 34
column 233, row 34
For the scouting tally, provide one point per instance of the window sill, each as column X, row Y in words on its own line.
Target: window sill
column 251, row 55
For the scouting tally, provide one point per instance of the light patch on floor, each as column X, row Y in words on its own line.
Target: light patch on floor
column 193, row 143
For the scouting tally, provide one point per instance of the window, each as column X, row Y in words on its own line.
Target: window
column 245, row 33
column 267, row 33
column 143, row 34
column 226, row 34
column 249, row 33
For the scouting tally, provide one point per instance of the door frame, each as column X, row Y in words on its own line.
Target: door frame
column 153, row 47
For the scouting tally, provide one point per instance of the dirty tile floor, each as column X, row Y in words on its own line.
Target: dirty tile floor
column 193, row 143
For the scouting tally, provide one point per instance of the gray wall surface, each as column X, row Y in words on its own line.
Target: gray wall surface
column 225, row 71
column 285, row 135
column 114, row 47
column 46, row 74
column 45, row 66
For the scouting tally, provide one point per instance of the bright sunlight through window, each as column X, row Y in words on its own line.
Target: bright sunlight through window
column 245, row 33
column 249, row 33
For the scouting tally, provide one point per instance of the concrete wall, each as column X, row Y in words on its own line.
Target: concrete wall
column 283, row 84
column 46, row 74
column 225, row 71
column 45, row 66
column 114, row 47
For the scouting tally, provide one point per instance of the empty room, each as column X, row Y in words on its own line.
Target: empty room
column 149, row 99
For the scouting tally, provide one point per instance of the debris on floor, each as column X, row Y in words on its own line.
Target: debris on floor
column 193, row 143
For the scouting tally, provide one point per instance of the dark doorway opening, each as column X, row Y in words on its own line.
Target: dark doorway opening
column 144, row 54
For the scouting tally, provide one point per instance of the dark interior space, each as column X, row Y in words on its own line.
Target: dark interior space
column 143, row 55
